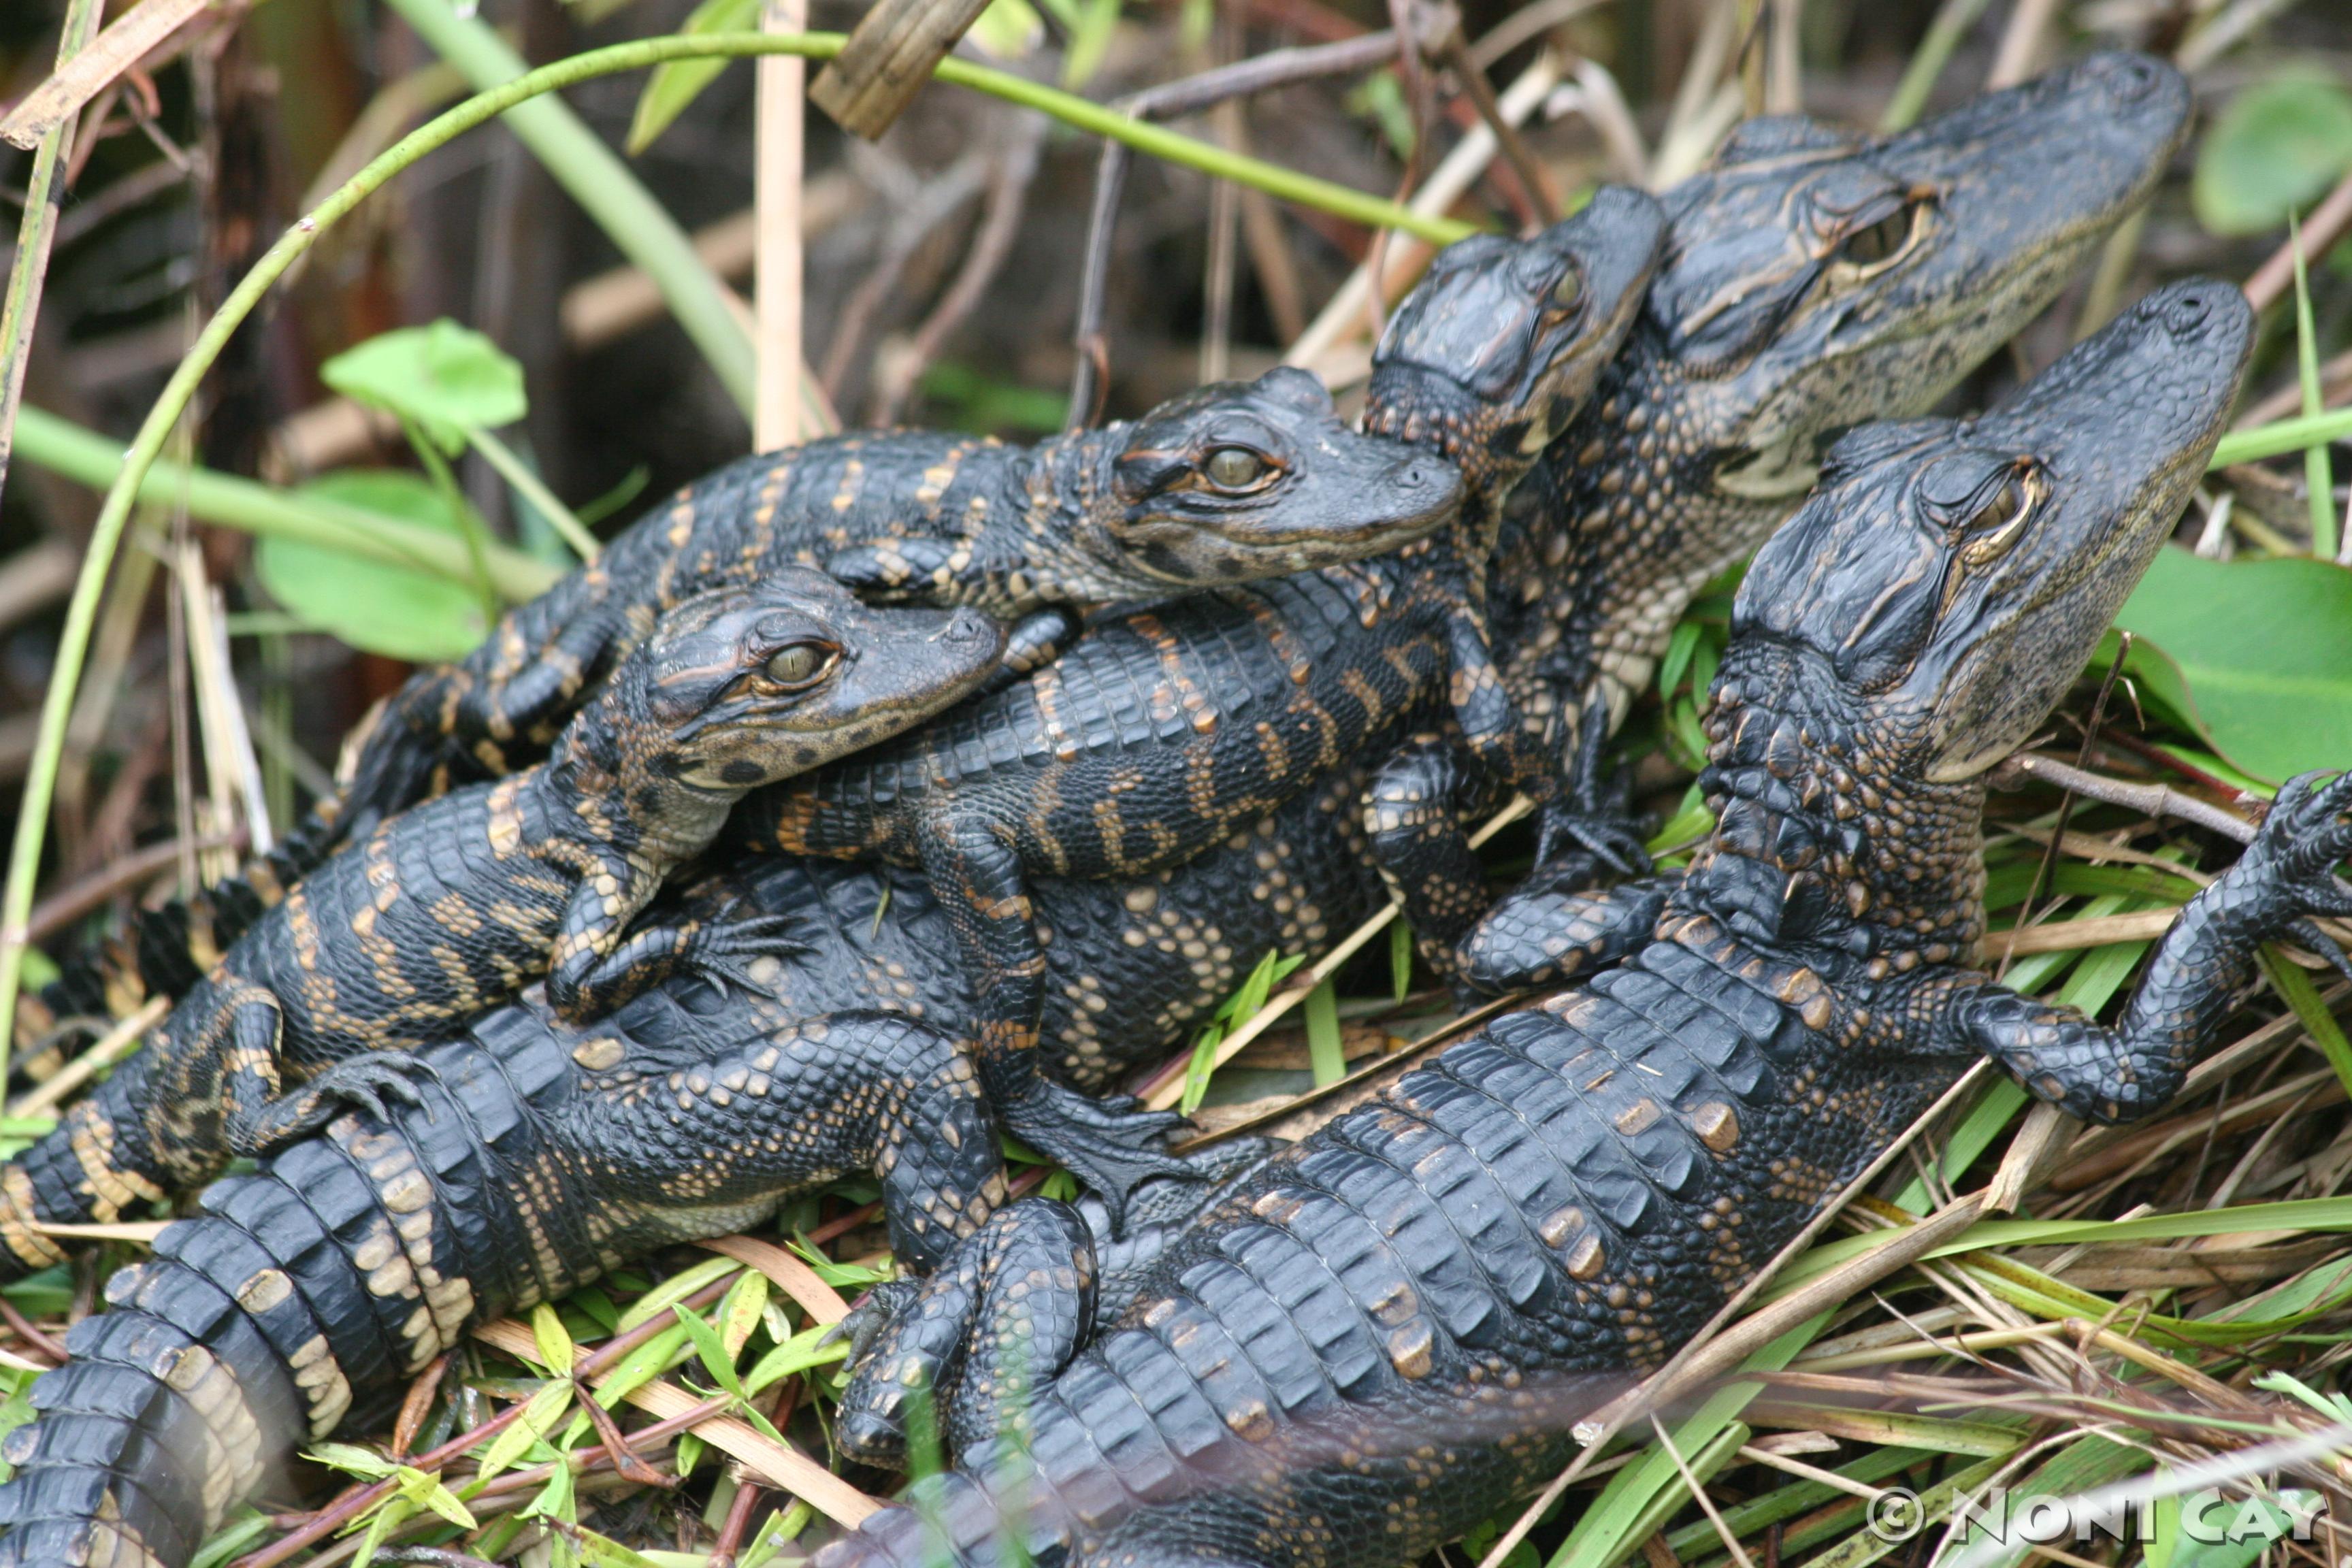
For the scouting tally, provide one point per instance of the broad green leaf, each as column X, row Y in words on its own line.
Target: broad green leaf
column 712, row 1349
column 537, row 1421
column 555, row 1349
column 676, row 1289
column 807, row 1349
column 1400, row 959
column 2273, row 148
column 738, row 1311
column 445, row 378
column 423, row 1490
column 607, row 1553
column 677, row 84
column 379, row 608
column 2157, row 681
column 2266, row 649
column 234, row 1538
column 353, row 1460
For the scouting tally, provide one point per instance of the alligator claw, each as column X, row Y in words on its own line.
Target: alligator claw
column 2294, row 856
column 723, row 953
column 367, row 1082
column 1105, row 1143
column 2306, row 931
column 873, row 1312
column 1611, row 840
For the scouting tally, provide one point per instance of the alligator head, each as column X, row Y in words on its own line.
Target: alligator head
column 1241, row 481
column 1497, row 348
column 1925, row 610
column 741, row 687
column 1812, row 280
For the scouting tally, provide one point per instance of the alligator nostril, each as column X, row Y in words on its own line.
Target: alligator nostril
column 2187, row 313
column 2126, row 77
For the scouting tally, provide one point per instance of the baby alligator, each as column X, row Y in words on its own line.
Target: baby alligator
column 449, row 909
column 1229, row 483
column 1379, row 1337
column 1160, row 735
column 1813, row 279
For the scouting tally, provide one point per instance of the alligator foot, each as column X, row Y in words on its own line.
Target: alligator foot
column 1105, row 1143
column 723, row 953
column 1598, row 839
column 366, row 1081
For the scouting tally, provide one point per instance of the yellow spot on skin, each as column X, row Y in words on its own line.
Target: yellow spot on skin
column 1409, row 1349
column 1586, row 1260
column 600, row 1053
column 1251, row 1423
column 1638, row 1117
column 1561, row 1224
column 264, row 1290
column 1718, row 1126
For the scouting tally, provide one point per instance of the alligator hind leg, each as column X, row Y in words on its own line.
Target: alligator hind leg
column 812, row 1101
column 369, row 1081
column 981, row 885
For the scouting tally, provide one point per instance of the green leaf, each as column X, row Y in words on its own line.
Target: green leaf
column 1008, row 30
column 353, row 1460
column 607, row 1553
column 2275, row 148
column 799, row 1353
column 555, row 1347
column 2266, row 646
column 1325, row 1047
column 446, row 378
column 379, row 608
column 537, row 1421
column 712, row 1349
column 424, row 1490
column 674, row 84
column 1400, row 959
column 739, row 1310
column 676, row 1289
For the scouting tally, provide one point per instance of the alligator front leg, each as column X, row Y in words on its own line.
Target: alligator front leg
column 1533, row 941
column 2286, row 876
column 816, row 1099
column 1414, row 810
column 982, row 886
column 599, row 963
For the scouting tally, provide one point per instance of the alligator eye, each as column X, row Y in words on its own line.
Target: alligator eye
column 1995, row 525
column 1879, row 242
column 1236, row 468
column 1567, row 293
column 797, row 664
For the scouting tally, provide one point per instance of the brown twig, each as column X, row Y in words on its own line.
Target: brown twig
column 2153, row 800
column 1481, row 92
column 1260, row 73
column 419, row 1401
column 999, row 226
column 737, row 1522
column 66, row 905
column 2322, row 227
column 24, row 1328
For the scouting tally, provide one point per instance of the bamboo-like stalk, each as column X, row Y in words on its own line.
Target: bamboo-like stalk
column 34, row 234
column 139, row 462
column 783, row 101
column 86, row 457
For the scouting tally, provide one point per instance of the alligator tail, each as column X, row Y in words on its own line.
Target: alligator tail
column 95, row 1168
column 306, row 1295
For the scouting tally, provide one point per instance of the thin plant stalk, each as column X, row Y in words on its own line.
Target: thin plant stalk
column 1953, row 20
column 2318, row 473
column 106, row 533
column 532, row 489
column 33, row 235
column 268, row 512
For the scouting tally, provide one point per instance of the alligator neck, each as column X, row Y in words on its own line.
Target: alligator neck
column 1823, row 840
column 1046, row 541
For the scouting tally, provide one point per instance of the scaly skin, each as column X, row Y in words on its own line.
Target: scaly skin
column 450, row 909
column 1230, row 483
column 1161, row 734
column 1812, row 280
column 1380, row 1336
